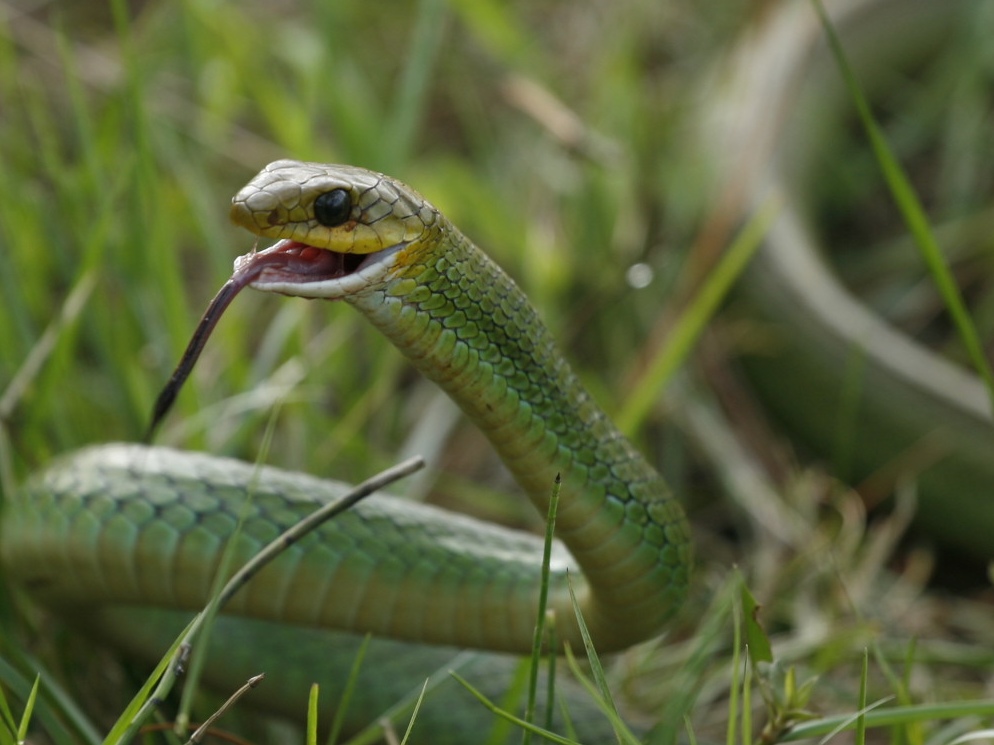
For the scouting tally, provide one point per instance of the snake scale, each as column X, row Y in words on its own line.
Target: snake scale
column 107, row 533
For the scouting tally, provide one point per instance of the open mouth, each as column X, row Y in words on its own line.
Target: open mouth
column 298, row 269
column 290, row 261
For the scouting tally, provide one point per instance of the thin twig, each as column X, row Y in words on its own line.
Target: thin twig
column 315, row 519
column 209, row 722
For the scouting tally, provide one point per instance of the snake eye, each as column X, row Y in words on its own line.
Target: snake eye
column 332, row 208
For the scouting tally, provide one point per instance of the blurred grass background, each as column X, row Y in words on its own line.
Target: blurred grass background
column 125, row 133
column 558, row 135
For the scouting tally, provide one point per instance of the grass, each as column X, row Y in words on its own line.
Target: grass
column 913, row 214
column 122, row 137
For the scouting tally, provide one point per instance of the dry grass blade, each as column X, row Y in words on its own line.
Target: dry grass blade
column 201, row 731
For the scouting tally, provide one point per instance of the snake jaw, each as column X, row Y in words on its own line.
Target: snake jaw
column 331, row 257
column 290, row 267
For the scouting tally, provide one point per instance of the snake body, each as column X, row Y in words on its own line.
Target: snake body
column 121, row 526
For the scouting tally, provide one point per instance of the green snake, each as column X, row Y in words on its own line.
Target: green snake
column 109, row 530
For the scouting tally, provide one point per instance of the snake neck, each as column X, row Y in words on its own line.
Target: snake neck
column 467, row 326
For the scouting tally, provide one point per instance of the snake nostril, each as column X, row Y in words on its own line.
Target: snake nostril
column 273, row 217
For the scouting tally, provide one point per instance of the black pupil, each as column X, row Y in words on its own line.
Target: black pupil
column 332, row 208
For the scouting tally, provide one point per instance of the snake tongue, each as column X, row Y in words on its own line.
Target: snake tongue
column 195, row 346
column 286, row 261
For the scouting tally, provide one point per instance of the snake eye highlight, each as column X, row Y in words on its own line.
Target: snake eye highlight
column 333, row 208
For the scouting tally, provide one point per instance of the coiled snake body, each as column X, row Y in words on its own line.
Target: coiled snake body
column 118, row 527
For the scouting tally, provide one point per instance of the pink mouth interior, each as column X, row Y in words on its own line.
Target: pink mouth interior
column 295, row 262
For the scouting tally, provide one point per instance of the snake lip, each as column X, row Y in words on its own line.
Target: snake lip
column 290, row 267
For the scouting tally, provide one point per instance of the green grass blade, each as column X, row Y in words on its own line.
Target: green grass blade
column 737, row 685
column 746, row 682
column 911, row 209
column 889, row 717
column 861, row 720
column 141, row 704
column 414, row 714
column 312, row 715
column 596, row 668
column 694, row 318
column 497, row 711
column 412, row 94
column 8, row 725
column 550, row 689
column 708, row 640
column 760, row 649
column 543, row 602
column 347, row 693
column 605, row 702
column 62, row 718
column 29, row 707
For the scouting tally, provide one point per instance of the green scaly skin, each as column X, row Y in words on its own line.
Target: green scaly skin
column 123, row 526
column 479, row 340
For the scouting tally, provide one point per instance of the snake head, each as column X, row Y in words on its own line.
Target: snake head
column 340, row 230
column 339, row 227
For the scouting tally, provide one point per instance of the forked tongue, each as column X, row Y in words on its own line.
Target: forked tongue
column 289, row 256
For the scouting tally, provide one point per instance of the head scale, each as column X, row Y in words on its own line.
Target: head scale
column 336, row 207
